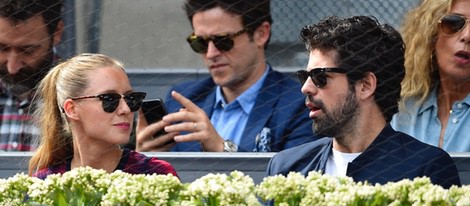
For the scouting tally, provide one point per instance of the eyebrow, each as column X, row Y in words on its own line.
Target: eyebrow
column 23, row 47
column 222, row 33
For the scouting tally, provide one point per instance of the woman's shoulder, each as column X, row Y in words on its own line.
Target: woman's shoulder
column 56, row 169
column 138, row 163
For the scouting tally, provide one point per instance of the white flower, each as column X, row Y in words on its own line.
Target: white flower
column 221, row 189
column 13, row 190
column 87, row 186
column 283, row 189
column 127, row 189
column 460, row 195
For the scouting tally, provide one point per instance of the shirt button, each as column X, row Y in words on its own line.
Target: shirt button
column 459, row 105
column 455, row 120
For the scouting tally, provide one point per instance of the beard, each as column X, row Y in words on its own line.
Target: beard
column 339, row 120
column 27, row 77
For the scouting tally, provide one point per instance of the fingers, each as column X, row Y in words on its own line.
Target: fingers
column 202, row 132
column 185, row 102
column 193, row 120
column 189, row 127
column 145, row 140
column 141, row 121
column 189, row 113
column 161, row 143
column 145, row 133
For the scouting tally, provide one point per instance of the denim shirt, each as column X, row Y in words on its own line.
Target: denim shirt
column 421, row 122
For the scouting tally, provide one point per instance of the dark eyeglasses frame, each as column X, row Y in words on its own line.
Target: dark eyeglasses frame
column 318, row 75
column 455, row 25
column 110, row 101
column 223, row 42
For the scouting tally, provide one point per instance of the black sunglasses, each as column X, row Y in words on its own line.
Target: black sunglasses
column 318, row 75
column 110, row 101
column 452, row 23
column 223, row 42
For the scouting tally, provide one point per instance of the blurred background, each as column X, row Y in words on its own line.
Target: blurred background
column 149, row 35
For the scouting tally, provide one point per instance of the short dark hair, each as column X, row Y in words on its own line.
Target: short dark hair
column 364, row 45
column 22, row 10
column 253, row 12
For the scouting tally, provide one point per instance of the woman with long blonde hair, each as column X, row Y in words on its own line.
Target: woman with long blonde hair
column 435, row 105
column 86, row 111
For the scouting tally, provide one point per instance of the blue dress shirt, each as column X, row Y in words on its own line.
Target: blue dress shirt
column 230, row 119
column 421, row 122
column 278, row 120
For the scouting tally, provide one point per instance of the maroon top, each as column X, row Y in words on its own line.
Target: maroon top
column 131, row 162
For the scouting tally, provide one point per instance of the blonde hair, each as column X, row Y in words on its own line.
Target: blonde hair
column 419, row 31
column 68, row 79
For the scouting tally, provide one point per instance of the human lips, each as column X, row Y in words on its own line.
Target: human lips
column 217, row 66
column 314, row 109
column 462, row 57
column 218, row 70
column 123, row 125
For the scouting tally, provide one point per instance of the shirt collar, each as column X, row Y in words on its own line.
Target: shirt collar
column 466, row 100
column 431, row 101
column 247, row 99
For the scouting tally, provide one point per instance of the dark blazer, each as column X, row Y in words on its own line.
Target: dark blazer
column 278, row 116
column 392, row 156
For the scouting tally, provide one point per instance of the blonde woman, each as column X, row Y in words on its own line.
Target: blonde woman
column 435, row 92
column 87, row 111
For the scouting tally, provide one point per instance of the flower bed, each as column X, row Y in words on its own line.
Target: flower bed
column 87, row 186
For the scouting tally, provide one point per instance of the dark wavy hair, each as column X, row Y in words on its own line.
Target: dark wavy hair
column 364, row 45
column 22, row 10
column 253, row 12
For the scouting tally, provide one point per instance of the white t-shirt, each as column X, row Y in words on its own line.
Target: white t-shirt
column 337, row 163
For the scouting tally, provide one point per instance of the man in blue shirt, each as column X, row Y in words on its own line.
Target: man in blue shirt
column 245, row 105
column 352, row 85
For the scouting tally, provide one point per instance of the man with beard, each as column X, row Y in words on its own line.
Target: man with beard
column 29, row 29
column 352, row 84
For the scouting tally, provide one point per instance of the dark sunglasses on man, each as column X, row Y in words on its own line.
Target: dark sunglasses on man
column 452, row 23
column 110, row 101
column 318, row 75
column 223, row 42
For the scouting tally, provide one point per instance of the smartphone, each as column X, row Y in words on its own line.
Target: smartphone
column 154, row 110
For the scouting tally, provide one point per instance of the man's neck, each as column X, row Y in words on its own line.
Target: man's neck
column 230, row 93
column 367, row 127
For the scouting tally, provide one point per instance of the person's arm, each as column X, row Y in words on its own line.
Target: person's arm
column 193, row 124
column 189, row 124
column 442, row 171
column 146, row 141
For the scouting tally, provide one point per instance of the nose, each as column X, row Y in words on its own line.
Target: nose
column 212, row 51
column 309, row 88
column 14, row 62
column 466, row 33
column 123, row 108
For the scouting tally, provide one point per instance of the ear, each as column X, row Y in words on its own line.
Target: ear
column 70, row 109
column 57, row 36
column 366, row 86
column 262, row 34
